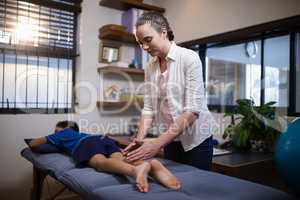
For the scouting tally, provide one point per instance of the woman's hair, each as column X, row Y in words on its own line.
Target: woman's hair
column 68, row 124
column 157, row 21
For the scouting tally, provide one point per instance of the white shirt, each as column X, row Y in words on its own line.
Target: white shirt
column 164, row 117
column 185, row 93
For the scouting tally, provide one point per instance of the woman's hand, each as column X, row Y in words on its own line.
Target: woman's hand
column 148, row 149
column 136, row 143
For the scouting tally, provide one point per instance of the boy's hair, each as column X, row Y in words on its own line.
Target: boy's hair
column 68, row 124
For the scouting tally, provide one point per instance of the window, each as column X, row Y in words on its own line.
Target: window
column 231, row 74
column 37, row 55
column 238, row 72
column 276, row 62
column 261, row 63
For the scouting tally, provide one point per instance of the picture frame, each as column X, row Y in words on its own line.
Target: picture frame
column 109, row 52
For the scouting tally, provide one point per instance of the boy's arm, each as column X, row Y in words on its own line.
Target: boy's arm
column 37, row 141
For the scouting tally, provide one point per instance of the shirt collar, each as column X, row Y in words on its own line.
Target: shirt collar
column 171, row 54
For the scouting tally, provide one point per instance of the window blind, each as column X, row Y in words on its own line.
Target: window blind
column 37, row 54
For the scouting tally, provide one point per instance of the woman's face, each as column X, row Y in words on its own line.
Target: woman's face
column 150, row 40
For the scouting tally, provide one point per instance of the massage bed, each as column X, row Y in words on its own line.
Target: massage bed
column 94, row 185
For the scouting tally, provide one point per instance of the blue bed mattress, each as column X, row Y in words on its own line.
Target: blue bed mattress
column 196, row 184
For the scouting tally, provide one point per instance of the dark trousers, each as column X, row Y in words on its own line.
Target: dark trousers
column 200, row 156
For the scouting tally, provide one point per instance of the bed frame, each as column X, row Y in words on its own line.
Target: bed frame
column 92, row 185
column 38, row 178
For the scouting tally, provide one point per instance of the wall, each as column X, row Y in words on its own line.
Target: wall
column 192, row 19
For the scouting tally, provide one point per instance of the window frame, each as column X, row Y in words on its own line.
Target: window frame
column 293, row 75
column 288, row 26
column 58, row 53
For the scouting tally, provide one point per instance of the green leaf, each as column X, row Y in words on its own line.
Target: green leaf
column 249, row 124
column 228, row 132
column 270, row 103
column 228, row 114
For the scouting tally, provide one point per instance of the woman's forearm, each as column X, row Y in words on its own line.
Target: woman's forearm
column 145, row 124
column 177, row 128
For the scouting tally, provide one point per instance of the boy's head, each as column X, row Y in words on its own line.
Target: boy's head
column 66, row 124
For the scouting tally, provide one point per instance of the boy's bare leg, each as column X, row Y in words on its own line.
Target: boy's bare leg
column 161, row 174
column 116, row 164
column 143, row 168
column 158, row 171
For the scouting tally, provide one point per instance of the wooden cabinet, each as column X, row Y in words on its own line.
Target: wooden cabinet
column 255, row 167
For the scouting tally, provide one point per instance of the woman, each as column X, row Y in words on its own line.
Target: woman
column 174, row 99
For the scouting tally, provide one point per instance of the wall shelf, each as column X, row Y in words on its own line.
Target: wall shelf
column 117, row 35
column 114, row 69
column 118, row 104
column 125, row 101
column 127, row 4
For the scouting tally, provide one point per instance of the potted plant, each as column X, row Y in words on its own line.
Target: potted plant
column 252, row 127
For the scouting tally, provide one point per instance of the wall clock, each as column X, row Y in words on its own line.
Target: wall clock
column 251, row 49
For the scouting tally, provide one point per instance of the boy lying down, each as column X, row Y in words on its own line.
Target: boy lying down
column 102, row 153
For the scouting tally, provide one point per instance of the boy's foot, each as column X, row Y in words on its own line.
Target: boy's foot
column 141, row 175
column 163, row 175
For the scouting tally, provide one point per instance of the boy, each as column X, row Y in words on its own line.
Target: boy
column 102, row 153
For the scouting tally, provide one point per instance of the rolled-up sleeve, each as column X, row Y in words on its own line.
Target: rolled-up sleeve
column 194, row 94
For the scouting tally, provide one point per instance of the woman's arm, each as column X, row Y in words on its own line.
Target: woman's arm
column 178, row 127
column 149, row 148
column 146, row 116
column 194, row 99
column 37, row 141
column 144, row 125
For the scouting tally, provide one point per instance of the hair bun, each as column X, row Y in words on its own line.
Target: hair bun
column 170, row 35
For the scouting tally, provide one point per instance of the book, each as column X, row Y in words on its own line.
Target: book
column 217, row 151
column 141, row 57
column 130, row 17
